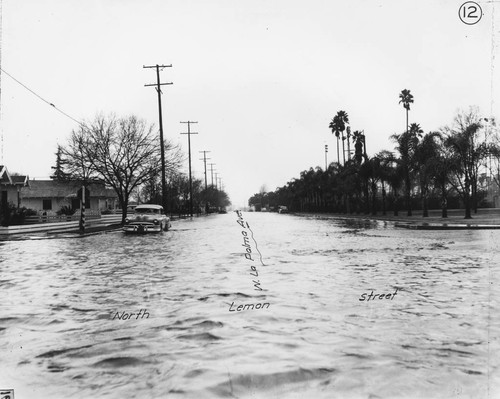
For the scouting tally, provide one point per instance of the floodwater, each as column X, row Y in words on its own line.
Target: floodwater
column 438, row 337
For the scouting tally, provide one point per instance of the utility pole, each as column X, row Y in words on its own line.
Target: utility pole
column 189, row 133
column 82, row 211
column 348, row 141
column 212, row 172
column 162, row 144
column 217, row 191
column 205, row 163
column 326, row 159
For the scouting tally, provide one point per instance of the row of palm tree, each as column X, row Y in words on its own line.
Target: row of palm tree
column 442, row 167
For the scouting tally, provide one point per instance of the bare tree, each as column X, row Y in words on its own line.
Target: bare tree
column 77, row 166
column 123, row 153
column 151, row 191
column 493, row 161
column 467, row 151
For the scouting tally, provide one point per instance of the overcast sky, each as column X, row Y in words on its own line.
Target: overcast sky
column 263, row 78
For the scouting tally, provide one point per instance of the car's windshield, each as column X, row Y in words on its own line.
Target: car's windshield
column 146, row 210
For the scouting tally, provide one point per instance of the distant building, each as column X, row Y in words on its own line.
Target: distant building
column 51, row 195
column 10, row 187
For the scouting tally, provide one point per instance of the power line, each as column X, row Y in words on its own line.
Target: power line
column 43, row 99
column 212, row 172
column 205, row 162
column 189, row 133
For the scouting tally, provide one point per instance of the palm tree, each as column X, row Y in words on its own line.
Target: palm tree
column 387, row 159
column 358, row 139
column 406, row 144
column 426, row 151
column 374, row 176
column 406, row 98
column 443, row 168
column 416, row 130
column 342, row 120
column 395, row 179
column 335, row 130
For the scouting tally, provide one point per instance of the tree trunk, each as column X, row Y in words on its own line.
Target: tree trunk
column 374, row 202
column 467, row 200
column 408, row 194
column 408, row 190
column 383, row 198
column 396, row 204
column 425, row 210
column 343, row 148
column 406, row 120
column 474, row 195
column 444, row 203
column 367, row 199
column 124, row 204
column 468, row 208
column 348, row 149
column 338, row 151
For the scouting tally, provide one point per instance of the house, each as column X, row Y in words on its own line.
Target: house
column 51, row 195
column 10, row 187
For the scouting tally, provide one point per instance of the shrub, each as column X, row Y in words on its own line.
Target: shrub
column 11, row 215
column 65, row 210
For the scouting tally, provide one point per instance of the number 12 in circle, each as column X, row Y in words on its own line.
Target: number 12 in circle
column 470, row 13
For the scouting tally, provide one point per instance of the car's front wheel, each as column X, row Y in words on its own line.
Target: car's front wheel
column 165, row 227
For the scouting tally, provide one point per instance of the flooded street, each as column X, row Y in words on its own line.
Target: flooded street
column 122, row 316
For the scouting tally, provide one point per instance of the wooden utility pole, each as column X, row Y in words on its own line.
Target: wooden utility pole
column 326, row 157
column 82, row 195
column 348, row 129
column 205, row 163
column 162, row 144
column 189, row 133
column 82, row 211
column 212, row 172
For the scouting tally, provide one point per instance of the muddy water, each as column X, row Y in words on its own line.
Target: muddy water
column 115, row 316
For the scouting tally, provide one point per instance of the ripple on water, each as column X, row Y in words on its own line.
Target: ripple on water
column 317, row 340
column 116, row 362
column 238, row 384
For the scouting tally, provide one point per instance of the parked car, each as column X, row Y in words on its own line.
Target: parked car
column 147, row 219
column 282, row 209
column 131, row 209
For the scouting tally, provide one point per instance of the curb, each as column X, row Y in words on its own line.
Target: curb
column 51, row 235
column 448, row 226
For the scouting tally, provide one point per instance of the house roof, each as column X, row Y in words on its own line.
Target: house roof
column 4, row 175
column 7, row 179
column 63, row 189
column 20, row 180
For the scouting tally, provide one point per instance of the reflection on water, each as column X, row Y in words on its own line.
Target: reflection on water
column 437, row 338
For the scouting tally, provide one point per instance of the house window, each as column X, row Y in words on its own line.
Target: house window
column 47, row 204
